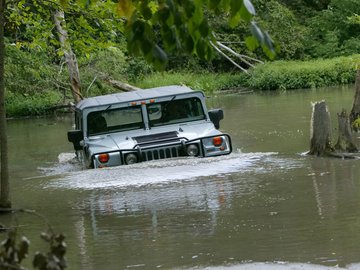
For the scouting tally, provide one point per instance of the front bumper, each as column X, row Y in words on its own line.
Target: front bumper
column 206, row 147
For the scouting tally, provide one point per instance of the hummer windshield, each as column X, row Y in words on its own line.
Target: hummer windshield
column 175, row 111
column 114, row 120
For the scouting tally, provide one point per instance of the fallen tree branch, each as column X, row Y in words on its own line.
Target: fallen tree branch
column 92, row 82
column 117, row 84
column 227, row 57
column 121, row 85
column 240, row 56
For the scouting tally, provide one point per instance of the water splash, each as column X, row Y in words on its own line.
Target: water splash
column 164, row 171
column 67, row 162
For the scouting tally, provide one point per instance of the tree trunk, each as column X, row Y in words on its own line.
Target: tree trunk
column 320, row 143
column 4, row 184
column 345, row 141
column 355, row 111
column 70, row 57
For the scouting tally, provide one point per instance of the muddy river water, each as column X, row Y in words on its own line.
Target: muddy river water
column 265, row 206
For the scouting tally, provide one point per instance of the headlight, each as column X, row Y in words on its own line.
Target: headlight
column 192, row 150
column 131, row 158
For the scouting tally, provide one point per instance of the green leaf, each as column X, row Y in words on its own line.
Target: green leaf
column 198, row 14
column 64, row 3
column 138, row 28
column 163, row 14
column 189, row 44
column 200, row 49
column 256, row 32
column 249, row 6
column 189, row 9
column 269, row 45
column 146, row 11
column 214, row 4
column 235, row 6
column 251, row 43
column 234, row 20
column 245, row 14
column 125, row 8
column 204, row 28
column 160, row 58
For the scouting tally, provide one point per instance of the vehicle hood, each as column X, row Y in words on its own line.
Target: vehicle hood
column 130, row 139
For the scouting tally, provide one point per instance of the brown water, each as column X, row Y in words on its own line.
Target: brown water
column 266, row 202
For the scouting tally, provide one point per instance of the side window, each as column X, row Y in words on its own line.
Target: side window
column 96, row 123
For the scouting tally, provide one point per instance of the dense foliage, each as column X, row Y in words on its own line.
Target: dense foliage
column 283, row 75
column 36, row 78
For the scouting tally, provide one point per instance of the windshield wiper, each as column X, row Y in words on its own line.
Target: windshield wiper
column 169, row 102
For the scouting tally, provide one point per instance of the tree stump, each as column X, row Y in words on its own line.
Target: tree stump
column 345, row 141
column 320, row 132
column 355, row 111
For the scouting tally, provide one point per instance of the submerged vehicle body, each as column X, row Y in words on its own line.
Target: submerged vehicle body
column 144, row 125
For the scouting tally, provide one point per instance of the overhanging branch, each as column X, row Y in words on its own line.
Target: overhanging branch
column 223, row 49
column 227, row 57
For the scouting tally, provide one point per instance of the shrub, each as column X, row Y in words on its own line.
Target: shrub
column 306, row 74
column 35, row 104
column 28, row 72
column 205, row 81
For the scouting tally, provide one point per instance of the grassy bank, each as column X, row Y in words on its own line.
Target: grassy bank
column 205, row 81
column 33, row 91
column 282, row 75
column 277, row 75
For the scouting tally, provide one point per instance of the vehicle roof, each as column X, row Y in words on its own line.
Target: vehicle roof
column 133, row 96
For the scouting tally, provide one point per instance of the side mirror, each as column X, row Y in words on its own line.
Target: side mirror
column 75, row 136
column 215, row 116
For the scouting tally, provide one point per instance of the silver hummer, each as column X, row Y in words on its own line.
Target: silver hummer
column 144, row 125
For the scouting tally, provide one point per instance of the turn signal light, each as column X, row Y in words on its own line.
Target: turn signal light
column 217, row 141
column 103, row 158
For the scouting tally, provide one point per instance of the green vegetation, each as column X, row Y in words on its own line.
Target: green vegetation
column 317, row 42
column 277, row 75
column 205, row 81
column 282, row 75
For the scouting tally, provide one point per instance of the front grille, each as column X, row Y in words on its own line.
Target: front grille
column 161, row 153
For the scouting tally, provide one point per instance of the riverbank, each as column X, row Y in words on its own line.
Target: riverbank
column 271, row 76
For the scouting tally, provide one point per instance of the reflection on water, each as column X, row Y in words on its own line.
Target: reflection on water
column 265, row 203
column 280, row 266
